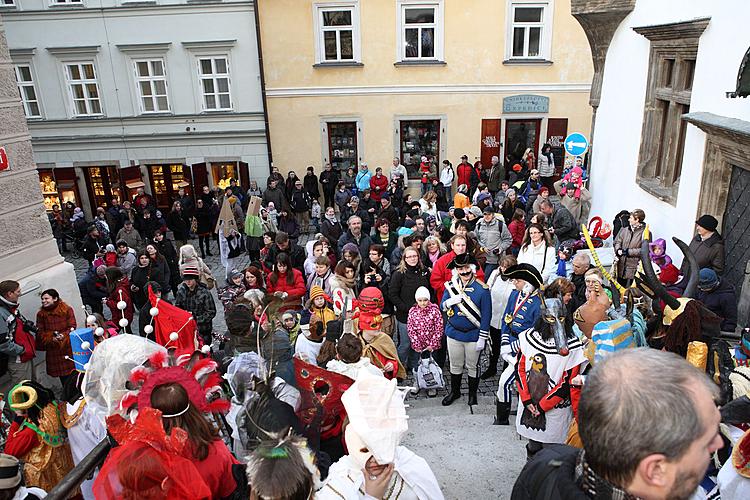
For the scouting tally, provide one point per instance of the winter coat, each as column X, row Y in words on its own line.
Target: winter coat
column 496, row 175
column 177, row 224
column 509, row 208
column 92, row 288
column 721, row 301
column 142, row 275
column 425, row 327
column 378, row 186
column 363, row 243
column 289, row 225
column 310, row 183
column 708, row 253
column 133, row 238
column 205, row 221
column 441, row 273
column 341, row 198
column 114, row 297
column 289, row 185
column 329, row 179
column 331, row 230
column 162, row 269
column 517, row 229
column 545, row 166
column 447, row 175
column 464, row 172
column 550, row 474
column 350, row 181
column 275, row 196
column 630, row 241
column 91, row 247
column 542, row 257
column 199, row 303
column 389, row 213
column 295, row 291
column 126, row 261
column 494, row 237
column 229, row 294
column 295, row 253
column 300, row 201
column 60, row 319
column 362, row 180
column 564, row 224
column 389, row 245
column 15, row 340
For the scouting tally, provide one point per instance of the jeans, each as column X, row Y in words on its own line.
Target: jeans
column 488, row 268
column 426, row 187
column 449, row 194
column 409, row 358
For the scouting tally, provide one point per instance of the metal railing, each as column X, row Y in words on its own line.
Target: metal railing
column 84, row 470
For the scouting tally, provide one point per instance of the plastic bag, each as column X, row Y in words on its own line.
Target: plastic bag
column 429, row 374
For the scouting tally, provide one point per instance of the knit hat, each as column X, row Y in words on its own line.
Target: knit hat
column 100, row 270
column 190, row 272
column 316, row 291
column 233, row 274
column 476, row 211
column 385, row 196
column 422, row 293
column 510, row 191
column 110, row 247
column 483, row 196
column 707, row 279
column 708, row 222
column 350, row 247
column 459, row 213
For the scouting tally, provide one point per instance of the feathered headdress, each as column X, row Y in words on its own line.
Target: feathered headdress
column 195, row 373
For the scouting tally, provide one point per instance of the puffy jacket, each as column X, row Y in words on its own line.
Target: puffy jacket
column 494, row 237
column 564, row 224
column 362, row 180
column 378, row 186
column 300, row 201
column 295, row 291
column 8, row 325
column 276, row 196
column 722, row 301
column 403, row 286
column 708, row 253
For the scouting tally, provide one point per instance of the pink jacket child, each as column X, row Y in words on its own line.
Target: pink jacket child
column 657, row 250
column 424, row 324
column 576, row 177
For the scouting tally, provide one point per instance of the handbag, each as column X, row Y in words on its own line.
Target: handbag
column 193, row 225
column 429, row 374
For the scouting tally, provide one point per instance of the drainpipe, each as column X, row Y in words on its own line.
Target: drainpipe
column 263, row 84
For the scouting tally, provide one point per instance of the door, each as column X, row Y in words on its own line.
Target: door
column 557, row 130
column 166, row 180
column 103, row 184
column 490, row 141
column 129, row 175
column 200, row 177
column 736, row 231
column 520, row 135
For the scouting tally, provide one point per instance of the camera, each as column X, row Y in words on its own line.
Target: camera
column 30, row 327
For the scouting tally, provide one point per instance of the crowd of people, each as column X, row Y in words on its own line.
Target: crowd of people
column 325, row 339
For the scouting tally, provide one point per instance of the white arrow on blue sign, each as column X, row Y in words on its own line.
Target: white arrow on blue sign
column 576, row 144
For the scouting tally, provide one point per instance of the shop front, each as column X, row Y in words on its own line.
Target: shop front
column 418, row 138
column 166, row 180
column 102, row 184
column 59, row 187
column 222, row 172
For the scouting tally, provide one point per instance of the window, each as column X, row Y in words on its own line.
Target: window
column 7, row 3
column 151, row 80
column 27, row 90
column 342, row 145
column 66, row 2
column 529, row 30
column 337, row 33
column 421, row 31
column 84, row 90
column 674, row 48
column 419, row 138
column 214, row 76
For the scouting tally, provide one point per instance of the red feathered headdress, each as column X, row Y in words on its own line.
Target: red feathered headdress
column 194, row 372
column 171, row 319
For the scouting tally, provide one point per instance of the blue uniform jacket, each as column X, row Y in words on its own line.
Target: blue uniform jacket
column 525, row 318
column 458, row 326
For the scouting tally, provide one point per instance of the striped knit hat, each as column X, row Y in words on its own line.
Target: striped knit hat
column 316, row 291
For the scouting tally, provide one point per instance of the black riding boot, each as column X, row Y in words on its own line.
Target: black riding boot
column 473, row 386
column 502, row 414
column 455, row 390
column 491, row 370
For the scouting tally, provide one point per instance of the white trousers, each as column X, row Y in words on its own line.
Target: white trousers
column 463, row 354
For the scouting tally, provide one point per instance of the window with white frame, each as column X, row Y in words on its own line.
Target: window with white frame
column 214, row 76
column 151, row 80
column 64, row 2
column 27, row 89
column 529, row 30
column 337, row 28
column 84, row 89
column 421, row 30
column 7, row 3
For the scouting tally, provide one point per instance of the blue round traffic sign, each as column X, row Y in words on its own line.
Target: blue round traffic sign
column 576, row 144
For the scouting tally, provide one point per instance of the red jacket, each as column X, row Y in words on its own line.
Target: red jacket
column 216, row 470
column 61, row 318
column 295, row 291
column 441, row 274
column 464, row 174
column 376, row 183
column 114, row 298
column 517, row 230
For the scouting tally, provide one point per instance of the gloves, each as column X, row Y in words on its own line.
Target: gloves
column 452, row 301
column 480, row 344
column 507, row 354
column 620, row 252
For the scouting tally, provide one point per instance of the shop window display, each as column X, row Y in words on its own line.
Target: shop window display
column 419, row 138
column 342, row 145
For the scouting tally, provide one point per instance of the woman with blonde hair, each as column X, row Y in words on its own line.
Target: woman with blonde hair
column 428, row 204
column 433, row 248
column 538, row 250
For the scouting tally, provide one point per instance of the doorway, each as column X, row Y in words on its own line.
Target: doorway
column 103, row 184
column 736, row 224
column 520, row 135
column 166, row 180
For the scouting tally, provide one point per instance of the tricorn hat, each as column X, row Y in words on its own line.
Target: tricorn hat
column 526, row 272
column 462, row 260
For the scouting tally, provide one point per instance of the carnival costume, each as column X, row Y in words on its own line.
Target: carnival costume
column 42, row 444
column 377, row 422
column 380, row 348
column 521, row 313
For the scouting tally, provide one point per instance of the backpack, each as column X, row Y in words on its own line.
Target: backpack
column 429, row 374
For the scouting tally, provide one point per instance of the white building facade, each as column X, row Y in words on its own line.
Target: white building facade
column 161, row 92
column 668, row 139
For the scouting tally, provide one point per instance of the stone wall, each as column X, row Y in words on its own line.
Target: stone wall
column 28, row 252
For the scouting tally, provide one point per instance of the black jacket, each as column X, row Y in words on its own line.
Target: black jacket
column 721, row 301
column 329, row 179
column 300, row 201
column 331, row 231
column 296, row 255
column 549, row 476
column 709, row 253
column 310, row 182
column 391, row 215
column 91, row 247
column 403, row 286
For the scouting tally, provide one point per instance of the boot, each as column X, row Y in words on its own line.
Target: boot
column 503, row 411
column 491, row 370
column 455, row 390
column 473, row 386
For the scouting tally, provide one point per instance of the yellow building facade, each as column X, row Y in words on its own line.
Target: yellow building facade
column 373, row 80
